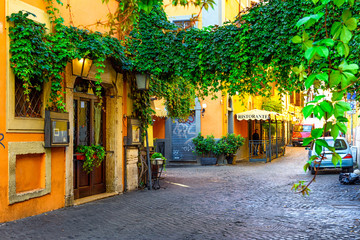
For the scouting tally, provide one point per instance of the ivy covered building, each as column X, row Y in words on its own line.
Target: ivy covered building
column 39, row 166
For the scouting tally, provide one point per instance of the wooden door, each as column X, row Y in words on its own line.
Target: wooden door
column 89, row 124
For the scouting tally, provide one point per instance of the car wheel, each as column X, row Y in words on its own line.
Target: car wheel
column 312, row 170
column 293, row 144
column 350, row 170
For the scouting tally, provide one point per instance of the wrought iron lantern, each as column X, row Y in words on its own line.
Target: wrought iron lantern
column 81, row 67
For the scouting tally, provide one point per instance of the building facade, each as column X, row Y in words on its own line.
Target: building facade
column 36, row 179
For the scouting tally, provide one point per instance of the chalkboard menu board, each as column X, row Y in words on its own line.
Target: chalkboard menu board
column 182, row 134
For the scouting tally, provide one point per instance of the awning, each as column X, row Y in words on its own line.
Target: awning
column 256, row 114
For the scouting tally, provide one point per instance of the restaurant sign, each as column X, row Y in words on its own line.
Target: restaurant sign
column 252, row 116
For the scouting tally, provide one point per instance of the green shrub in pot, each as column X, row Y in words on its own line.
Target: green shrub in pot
column 94, row 155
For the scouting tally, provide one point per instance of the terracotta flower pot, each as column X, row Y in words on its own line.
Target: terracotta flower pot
column 80, row 157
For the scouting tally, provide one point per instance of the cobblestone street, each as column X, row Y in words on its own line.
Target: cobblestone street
column 246, row 201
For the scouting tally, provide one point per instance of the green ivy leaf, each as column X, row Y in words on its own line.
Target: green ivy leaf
column 346, row 15
column 351, row 24
column 317, row 132
column 336, row 159
column 307, row 110
column 344, row 105
column 318, row 148
column 310, row 53
column 297, row 39
column 343, row 49
column 322, row 143
column 337, row 95
column 335, row 131
column 322, row 51
column 342, row 119
column 318, row 112
column 342, row 127
column 336, row 30
column 309, row 81
column 326, row 106
column 307, row 165
column 345, row 35
column 323, row 77
column 339, row 3
column 307, row 141
column 335, row 78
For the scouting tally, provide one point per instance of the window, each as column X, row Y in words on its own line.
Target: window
column 31, row 108
column 182, row 23
column 340, row 144
column 292, row 98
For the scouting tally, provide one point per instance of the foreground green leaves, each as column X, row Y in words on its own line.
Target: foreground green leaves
column 332, row 70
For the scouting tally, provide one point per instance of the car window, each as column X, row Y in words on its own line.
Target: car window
column 302, row 128
column 340, row 144
column 307, row 128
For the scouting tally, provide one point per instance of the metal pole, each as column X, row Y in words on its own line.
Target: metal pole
column 148, row 160
column 352, row 130
column 270, row 145
column 276, row 137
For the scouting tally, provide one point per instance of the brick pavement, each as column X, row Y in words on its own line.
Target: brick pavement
column 246, row 201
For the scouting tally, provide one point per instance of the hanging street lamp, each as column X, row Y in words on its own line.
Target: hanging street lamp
column 81, row 67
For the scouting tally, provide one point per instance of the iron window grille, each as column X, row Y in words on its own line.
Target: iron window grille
column 23, row 108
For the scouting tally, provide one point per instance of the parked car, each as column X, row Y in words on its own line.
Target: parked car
column 342, row 147
column 301, row 131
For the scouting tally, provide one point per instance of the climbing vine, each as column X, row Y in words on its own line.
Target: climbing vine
column 38, row 57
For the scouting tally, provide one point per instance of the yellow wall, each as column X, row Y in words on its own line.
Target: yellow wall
column 231, row 9
column 173, row 11
column 85, row 14
column 212, row 122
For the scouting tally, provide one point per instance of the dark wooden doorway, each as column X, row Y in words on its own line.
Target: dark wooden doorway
column 89, row 128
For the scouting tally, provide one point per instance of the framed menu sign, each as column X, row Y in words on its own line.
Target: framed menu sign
column 56, row 129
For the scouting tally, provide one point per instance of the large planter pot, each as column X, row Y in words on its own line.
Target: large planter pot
column 157, row 161
column 208, row 160
column 229, row 159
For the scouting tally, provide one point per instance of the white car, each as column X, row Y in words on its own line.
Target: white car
column 342, row 147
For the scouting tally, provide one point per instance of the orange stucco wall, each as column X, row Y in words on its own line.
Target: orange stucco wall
column 85, row 14
column 25, row 181
column 34, row 206
column 3, row 155
column 159, row 128
column 36, row 3
column 241, row 127
column 212, row 122
column 30, row 172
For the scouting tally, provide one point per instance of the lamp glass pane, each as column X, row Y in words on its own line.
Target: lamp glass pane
column 141, row 81
column 77, row 66
column 87, row 66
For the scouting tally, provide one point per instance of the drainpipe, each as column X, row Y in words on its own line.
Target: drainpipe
column 148, row 160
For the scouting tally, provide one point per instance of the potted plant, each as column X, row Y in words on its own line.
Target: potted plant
column 228, row 145
column 157, row 159
column 206, row 149
column 94, row 155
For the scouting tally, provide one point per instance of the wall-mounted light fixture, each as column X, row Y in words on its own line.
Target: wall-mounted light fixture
column 203, row 109
column 142, row 81
column 81, row 67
